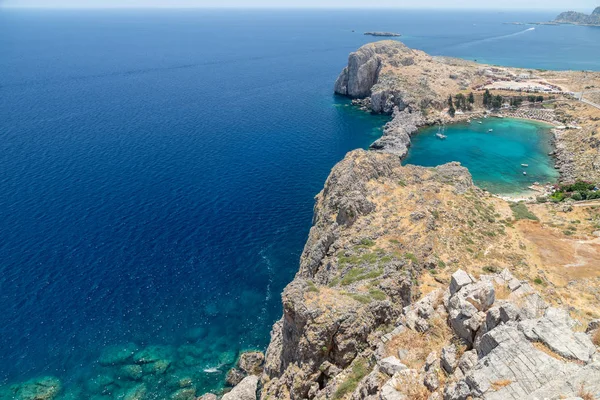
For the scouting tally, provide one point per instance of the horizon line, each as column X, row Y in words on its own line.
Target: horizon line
column 259, row 7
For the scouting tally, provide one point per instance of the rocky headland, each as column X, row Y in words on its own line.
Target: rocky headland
column 414, row 284
column 388, row 77
column 578, row 18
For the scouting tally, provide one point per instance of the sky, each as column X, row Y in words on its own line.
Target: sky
column 579, row 5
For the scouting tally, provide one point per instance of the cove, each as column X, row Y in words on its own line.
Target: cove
column 493, row 158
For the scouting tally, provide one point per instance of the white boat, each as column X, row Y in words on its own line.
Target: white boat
column 525, row 165
column 524, row 173
column 441, row 136
column 479, row 122
column 490, row 130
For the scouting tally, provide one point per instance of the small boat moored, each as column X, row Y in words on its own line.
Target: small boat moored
column 441, row 136
column 490, row 130
column 525, row 165
column 524, row 173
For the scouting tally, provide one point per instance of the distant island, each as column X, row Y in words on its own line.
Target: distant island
column 577, row 18
column 382, row 34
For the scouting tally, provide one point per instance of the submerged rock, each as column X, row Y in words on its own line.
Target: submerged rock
column 46, row 388
column 152, row 354
column 118, row 354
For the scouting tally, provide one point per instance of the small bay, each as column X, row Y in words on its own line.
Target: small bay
column 495, row 158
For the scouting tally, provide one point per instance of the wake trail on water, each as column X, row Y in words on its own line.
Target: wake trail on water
column 492, row 39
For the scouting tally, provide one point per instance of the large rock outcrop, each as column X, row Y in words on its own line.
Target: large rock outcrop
column 573, row 17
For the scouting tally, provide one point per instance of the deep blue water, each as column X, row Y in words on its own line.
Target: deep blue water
column 495, row 158
column 158, row 168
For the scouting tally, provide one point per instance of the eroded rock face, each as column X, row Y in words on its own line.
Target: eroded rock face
column 346, row 288
column 364, row 65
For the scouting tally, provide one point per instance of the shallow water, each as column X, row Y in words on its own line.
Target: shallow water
column 158, row 171
column 493, row 158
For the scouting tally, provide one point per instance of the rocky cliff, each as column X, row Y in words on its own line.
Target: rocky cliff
column 572, row 17
column 414, row 284
column 377, row 310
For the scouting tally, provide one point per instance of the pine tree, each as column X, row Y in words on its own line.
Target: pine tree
column 471, row 98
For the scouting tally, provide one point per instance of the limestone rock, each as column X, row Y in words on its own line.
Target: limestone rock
column 459, row 280
column 467, row 361
column 364, row 65
column 431, row 381
column 507, row 356
column 245, row 390
column 234, row 376
column 252, row 362
column 391, row 365
column 457, row 391
column 554, row 330
column 449, row 360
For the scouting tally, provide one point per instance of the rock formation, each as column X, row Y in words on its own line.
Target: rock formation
column 573, row 17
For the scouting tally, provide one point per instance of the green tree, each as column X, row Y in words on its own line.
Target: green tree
column 460, row 101
column 487, row 98
column 450, row 103
column 471, row 98
column 539, row 99
column 497, row 101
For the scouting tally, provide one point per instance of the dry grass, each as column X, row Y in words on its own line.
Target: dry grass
column 596, row 338
column 584, row 394
column 542, row 347
column 502, row 291
column 412, row 387
column 418, row 344
column 500, row 384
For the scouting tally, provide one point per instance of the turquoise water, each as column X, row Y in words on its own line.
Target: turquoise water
column 493, row 158
column 158, row 172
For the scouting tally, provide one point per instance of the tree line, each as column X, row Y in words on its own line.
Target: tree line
column 465, row 103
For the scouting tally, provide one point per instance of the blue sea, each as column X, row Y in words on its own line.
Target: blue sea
column 158, row 170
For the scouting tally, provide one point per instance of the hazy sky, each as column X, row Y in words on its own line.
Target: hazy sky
column 584, row 5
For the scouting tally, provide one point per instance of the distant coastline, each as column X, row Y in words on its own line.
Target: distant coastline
column 383, row 34
column 569, row 17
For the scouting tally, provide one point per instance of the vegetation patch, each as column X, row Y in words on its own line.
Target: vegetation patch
column 580, row 190
column 360, row 369
column 520, row 211
column 358, row 274
column 312, row 287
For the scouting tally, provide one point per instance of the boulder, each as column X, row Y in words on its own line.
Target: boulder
column 252, row 362
column 431, row 381
column 457, row 391
column 449, row 360
column 467, row 361
column 391, row 365
column 245, row 390
column 459, row 280
column 234, row 376
column 482, row 295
